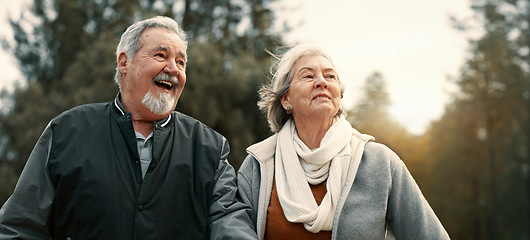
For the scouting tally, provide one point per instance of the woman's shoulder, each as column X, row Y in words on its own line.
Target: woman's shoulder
column 380, row 154
column 378, row 148
column 264, row 150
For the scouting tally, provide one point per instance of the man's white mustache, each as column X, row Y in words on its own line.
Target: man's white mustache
column 166, row 77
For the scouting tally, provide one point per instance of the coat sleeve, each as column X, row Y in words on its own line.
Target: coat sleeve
column 228, row 218
column 247, row 188
column 409, row 214
column 25, row 215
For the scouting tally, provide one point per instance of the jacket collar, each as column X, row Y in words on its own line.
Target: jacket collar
column 118, row 106
column 120, row 110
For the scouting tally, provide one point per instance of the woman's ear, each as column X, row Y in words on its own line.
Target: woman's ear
column 122, row 63
column 284, row 100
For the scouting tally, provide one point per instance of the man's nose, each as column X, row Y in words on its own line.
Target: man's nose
column 171, row 68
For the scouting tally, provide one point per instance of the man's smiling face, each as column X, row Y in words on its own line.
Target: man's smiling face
column 153, row 81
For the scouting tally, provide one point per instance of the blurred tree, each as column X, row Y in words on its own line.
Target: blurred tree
column 372, row 110
column 371, row 116
column 482, row 142
column 67, row 60
column 66, row 49
column 229, row 58
column 459, row 187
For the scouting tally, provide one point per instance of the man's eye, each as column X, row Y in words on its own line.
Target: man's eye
column 308, row 76
column 161, row 55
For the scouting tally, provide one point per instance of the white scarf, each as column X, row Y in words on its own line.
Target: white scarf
column 296, row 166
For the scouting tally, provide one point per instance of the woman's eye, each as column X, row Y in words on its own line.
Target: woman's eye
column 308, row 76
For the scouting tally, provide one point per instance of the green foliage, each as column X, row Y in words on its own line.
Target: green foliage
column 221, row 91
column 480, row 145
column 65, row 50
column 458, row 189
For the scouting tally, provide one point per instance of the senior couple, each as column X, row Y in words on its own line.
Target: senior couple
column 134, row 168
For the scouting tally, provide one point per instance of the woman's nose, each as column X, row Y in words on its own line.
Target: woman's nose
column 320, row 82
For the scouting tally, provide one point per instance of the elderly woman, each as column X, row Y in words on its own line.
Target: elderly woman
column 317, row 177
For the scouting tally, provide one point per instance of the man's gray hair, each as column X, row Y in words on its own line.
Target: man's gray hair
column 130, row 41
column 282, row 71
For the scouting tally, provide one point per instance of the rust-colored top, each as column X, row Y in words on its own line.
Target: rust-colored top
column 279, row 228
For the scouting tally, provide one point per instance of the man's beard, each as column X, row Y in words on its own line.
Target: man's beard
column 159, row 105
column 161, row 102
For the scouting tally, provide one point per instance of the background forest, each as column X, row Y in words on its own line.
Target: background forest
column 472, row 163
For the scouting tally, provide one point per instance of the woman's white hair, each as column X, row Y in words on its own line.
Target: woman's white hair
column 130, row 41
column 282, row 71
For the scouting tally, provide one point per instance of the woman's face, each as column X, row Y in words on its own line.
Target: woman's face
column 314, row 90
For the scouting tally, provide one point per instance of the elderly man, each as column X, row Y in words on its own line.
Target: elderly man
column 132, row 168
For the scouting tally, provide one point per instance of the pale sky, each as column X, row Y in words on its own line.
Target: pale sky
column 410, row 42
column 9, row 73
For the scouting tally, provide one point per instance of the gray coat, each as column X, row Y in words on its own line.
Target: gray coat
column 380, row 200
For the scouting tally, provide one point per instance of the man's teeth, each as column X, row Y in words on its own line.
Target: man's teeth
column 166, row 84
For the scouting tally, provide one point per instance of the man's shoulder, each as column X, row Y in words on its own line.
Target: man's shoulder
column 192, row 125
column 83, row 112
column 196, row 135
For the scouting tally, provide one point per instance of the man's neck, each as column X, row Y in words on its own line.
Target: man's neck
column 143, row 127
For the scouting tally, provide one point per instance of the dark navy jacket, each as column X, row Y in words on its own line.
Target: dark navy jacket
column 83, row 180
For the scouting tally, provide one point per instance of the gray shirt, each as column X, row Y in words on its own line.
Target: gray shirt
column 145, row 149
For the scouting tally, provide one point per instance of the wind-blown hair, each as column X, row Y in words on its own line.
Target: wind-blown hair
column 282, row 71
column 130, row 41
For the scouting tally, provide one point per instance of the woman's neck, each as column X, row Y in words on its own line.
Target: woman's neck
column 312, row 131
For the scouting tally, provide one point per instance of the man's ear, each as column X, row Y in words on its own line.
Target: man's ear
column 122, row 63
